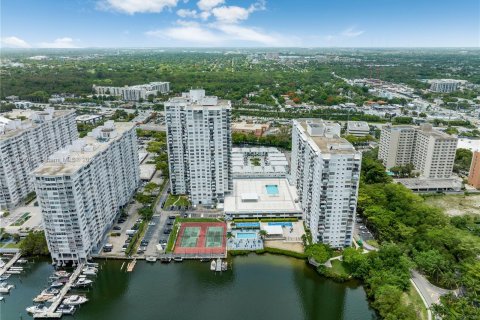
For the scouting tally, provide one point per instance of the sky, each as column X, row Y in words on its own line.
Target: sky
column 239, row 23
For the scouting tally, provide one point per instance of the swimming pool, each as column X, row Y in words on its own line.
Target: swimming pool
column 283, row 224
column 251, row 225
column 246, row 235
column 272, row 189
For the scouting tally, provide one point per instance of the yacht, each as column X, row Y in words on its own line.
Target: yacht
column 74, row 300
column 88, row 271
column 62, row 274
column 5, row 287
column 151, row 259
column 83, row 282
column 37, row 308
column 50, row 292
column 92, row 264
column 64, row 309
column 57, row 284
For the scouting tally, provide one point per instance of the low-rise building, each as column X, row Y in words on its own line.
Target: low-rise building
column 89, row 118
column 258, row 162
column 358, row 128
column 257, row 129
column 134, row 93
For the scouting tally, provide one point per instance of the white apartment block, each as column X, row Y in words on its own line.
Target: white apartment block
column 199, row 146
column 431, row 152
column 134, row 93
column 81, row 188
column 326, row 171
column 25, row 144
column 445, row 85
column 358, row 128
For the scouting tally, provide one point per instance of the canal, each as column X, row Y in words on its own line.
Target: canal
column 257, row 287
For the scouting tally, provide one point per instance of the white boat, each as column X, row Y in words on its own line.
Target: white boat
column 1, row 298
column 89, row 271
column 50, row 292
column 151, row 259
column 83, row 282
column 5, row 287
column 64, row 309
column 178, row 259
column 4, row 277
column 74, row 300
column 62, row 274
column 92, row 264
column 213, row 265
column 56, row 284
column 37, row 308
column 224, row 266
column 13, row 272
column 22, row 261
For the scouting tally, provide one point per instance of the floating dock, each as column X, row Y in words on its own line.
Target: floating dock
column 51, row 312
column 131, row 265
column 10, row 264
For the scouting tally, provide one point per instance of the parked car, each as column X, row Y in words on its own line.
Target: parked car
column 117, row 228
column 171, row 217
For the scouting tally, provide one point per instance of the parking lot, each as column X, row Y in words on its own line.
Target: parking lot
column 362, row 231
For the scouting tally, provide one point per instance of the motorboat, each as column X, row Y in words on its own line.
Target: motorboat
column 74, row 300
column 22, row 261
column 224, row 266
column 151, row 259
column 83, row 282
column 88, row 271
column 62, row 274
column 43, row 298
column 204, row 260
column 66, row 309
column 213, row 265
column 4, row 277
column 92, row 264
column 50, row 292
column 178, row 259
column 57, row 284
column 5, row 287
column 37, row 308
column 165, row 260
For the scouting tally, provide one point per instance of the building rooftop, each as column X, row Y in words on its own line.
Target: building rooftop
column 324, row 138
column 11, row 126
column 197, row 99
column 82, row 151
column 253, row 196
column 358, row 125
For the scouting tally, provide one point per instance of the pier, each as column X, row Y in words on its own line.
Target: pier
column 51, row 312
column 10, row 263
column 131, row 265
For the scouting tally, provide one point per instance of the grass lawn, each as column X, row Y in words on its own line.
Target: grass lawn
column 455, row 205
column 172, row 237
column 13, row 245
column 412, row 298
column 176, row 201
column 373, row 243
column 339, row 268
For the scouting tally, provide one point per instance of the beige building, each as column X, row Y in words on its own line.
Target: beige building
column 258, row 129
column 431, row 152
column 474, row 175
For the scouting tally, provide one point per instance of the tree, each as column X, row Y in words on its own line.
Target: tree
column 463, row 160
column 151, row 187
column 34, row 244
column 319, row 251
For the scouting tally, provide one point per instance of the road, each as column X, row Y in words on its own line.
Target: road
column 430, row 293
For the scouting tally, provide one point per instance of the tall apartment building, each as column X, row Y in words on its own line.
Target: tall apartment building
column 199, row 146
column 430, row 151
column 326, row 171
column 134, row 93
column 474, row 174
column 24, row 145
column 81, row 188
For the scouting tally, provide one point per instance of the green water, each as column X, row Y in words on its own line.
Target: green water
column 258, row 287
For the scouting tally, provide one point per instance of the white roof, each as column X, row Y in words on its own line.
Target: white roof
column 272, row 229
column 252, row 196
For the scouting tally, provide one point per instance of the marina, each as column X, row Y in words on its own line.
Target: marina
column 306, row 294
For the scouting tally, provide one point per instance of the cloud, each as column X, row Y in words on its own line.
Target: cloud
column 14, row 42
column 352, row 32
column 136, row 6
column 207, row 5
column 230, row 14
column 185, row 13
column 190, row 34
column 248, row 34
column 65, row 42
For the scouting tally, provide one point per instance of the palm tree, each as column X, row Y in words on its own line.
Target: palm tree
column 263, row 233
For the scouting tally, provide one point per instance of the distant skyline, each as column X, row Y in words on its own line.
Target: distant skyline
column 247, row 23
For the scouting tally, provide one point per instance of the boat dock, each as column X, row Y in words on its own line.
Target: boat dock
column 131, row 265
column 10, row 263
column 51, row 312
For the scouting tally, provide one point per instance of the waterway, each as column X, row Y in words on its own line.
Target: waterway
column 257, row 287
